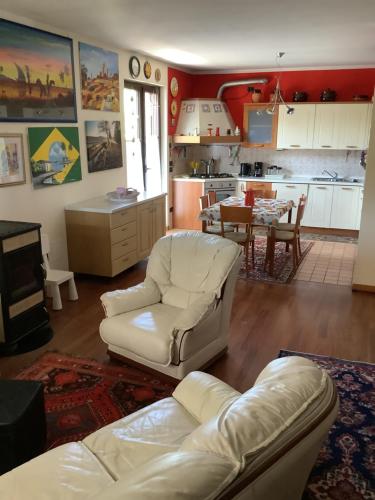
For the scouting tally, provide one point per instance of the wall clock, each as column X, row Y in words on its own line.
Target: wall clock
column 157, row 75
column 174, row 107
column 174, row 86
column 134, row 66
column 147, row 69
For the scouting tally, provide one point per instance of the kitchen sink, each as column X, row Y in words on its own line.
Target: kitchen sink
column 329, row 179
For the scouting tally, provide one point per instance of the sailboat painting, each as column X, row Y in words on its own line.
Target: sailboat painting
column 36, row 75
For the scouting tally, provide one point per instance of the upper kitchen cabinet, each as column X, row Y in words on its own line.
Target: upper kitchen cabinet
column 296, row 130
column 260, row 128
column 341, row 126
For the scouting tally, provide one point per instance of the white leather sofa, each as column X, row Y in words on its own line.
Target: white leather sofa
column 177, row 320
column 205, row 442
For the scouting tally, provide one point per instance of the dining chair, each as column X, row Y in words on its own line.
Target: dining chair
column 289, row 226
column 244, row 216
column 212, row 227
column 212, row 199
column 265, row 194
column 276, row 235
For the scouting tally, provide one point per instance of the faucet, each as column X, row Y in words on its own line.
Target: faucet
column 333, row 176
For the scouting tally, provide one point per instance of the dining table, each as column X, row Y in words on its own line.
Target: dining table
column 265, row 211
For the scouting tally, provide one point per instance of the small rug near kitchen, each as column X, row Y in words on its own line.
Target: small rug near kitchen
column 345, row 468
column 82, row 395
column 283, row 267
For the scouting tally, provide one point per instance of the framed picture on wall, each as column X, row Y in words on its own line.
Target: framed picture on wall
column 12, row 161
column 99, row 78
column 36, row 75
column 54, row 156
column 103, row 141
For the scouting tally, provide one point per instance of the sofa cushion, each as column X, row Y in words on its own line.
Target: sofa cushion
column 146, row 332
column 186, row 265
column 175, row 476
column 259, row 416
column 204, row 396
column 69, row 472
column 132, row 441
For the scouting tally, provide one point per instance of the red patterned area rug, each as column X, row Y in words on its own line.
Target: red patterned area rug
column 82, row 395
column 345, row 468
column 283, row 267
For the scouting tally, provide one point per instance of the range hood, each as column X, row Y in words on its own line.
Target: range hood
column 200, row 119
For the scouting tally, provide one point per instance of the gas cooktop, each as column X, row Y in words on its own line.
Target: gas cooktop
column 211, row 176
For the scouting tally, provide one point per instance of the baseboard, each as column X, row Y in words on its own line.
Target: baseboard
column 328, row 230
column 363, row 288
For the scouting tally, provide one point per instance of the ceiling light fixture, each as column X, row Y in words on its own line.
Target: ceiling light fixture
column 277, row 96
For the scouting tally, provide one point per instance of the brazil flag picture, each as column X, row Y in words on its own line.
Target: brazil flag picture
column 54, row 156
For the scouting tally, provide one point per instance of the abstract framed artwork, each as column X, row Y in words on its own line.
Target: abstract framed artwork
column 36, row 75
column 103, row 141
column 99, row 70
column 12, row 162
column 54, row 156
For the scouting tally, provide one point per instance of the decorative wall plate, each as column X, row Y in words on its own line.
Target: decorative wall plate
column 174, row 107
column 147, row 69
column 174, row 86
column 157, row 75
column 134, row 66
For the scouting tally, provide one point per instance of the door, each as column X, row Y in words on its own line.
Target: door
column 344, row 207
column 145, row 229
column 288, row 191
column 295, row 131
column 319, row 206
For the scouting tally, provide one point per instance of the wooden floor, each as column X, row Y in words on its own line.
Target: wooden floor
column 307, row 317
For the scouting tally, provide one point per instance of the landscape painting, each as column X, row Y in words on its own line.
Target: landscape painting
column 103, row 140
column 99, row 78
column 54, row 156
column 36, row 75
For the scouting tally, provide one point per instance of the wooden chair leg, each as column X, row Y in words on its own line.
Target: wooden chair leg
column 253, row 252
column 299, row 245
column 295, row 254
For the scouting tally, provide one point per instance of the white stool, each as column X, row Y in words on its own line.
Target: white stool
column 55, row 277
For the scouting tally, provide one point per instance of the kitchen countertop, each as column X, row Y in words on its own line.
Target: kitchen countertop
column 292, row 179
column 101, row 204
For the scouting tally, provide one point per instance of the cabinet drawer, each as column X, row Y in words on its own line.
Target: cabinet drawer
column 123, row 217
column 124, row 247
column 119, row 265
column 123, row 232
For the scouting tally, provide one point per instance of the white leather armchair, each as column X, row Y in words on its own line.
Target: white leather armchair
column 205, row 442
column 177, row 320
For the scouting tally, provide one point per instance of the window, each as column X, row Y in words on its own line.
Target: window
column 142, row 136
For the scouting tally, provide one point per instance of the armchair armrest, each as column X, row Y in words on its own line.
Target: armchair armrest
column 136, row 297
column 193, row 314
column 203, row 395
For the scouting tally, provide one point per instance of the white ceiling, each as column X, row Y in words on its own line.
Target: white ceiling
column 220, row 34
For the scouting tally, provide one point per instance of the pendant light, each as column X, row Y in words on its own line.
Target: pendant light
column 277, row 96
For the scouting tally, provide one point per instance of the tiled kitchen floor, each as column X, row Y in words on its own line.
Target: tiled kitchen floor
column 328, row 262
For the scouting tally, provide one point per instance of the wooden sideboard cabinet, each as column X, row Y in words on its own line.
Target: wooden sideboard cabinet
column 105, row 243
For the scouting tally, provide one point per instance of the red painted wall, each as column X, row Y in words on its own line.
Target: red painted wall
column 185, row 91
column 346, row 82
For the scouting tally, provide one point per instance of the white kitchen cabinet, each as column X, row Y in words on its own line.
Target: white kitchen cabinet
column 326, row 126
column 359, row 209
column 290, row 191
column 352, row 126
column 345, row 207
column 319, row 206
column 296, row 130
column 341, row 126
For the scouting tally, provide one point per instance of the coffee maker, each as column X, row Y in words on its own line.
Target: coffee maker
column 245, row 170
column 258, row 169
